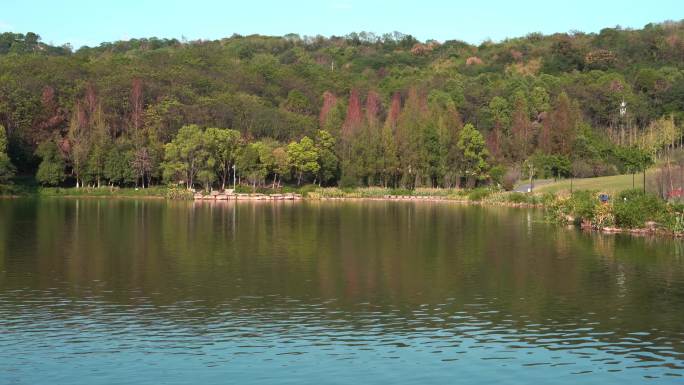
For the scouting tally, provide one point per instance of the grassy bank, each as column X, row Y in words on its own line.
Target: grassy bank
column 151, row 192
column 479, row 195
column 609, row 184
column 30, row 191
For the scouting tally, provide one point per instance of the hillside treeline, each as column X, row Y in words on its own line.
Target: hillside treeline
column 361, row 109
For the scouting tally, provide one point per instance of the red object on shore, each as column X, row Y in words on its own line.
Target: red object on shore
column 676, row 193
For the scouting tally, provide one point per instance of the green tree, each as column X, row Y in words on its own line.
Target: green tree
column 362, row 157
column 297, row 102
column 249, row 164
column 265, row 148
column 389, row 163
column 409, row 126
column 447, row 121
column 94, row 169
column 539, row 100
column 303, row 158
column 185, row 156
column 207, row 174
column 142, row 163
column 51, row 169
column 659, row 135
column 223, row 145
column 100, row 142
column 117, row 167
column 521, row 130
column 327, row 160
column 282, row 166
column 7, row 170
column 499, row 136
column 79, row 138
column 500, row 113
column 634, row 159
column 473, row 162
column 431, row 155
column 551, row 165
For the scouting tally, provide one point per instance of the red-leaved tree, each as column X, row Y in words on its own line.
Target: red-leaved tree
column 373, row 106
column 329, row 101
column 354, row 117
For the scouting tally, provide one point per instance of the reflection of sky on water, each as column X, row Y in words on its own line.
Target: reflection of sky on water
column 112, row 292
column 260, row 337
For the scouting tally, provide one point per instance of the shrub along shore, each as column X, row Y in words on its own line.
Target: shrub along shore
column 630, row 211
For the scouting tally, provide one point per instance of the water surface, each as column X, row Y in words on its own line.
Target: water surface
column 139, row 292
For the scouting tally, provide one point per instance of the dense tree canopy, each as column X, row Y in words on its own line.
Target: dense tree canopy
column 6, row 166
column 392, row 108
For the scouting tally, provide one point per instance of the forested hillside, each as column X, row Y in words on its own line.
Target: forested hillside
column 354, row 110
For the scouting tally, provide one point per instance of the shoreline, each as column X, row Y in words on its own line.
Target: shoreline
column 640, row 232
column 216, row 198
column 86, row 196
column 434, row 199
column 252, row 197
column 424, row 198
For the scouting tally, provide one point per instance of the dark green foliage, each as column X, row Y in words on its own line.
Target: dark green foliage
column 401, row 191
column 158, row 191
column 303, row 158
column 306, row 189
column 565, row 56
column 348, row 181
column 582, row 205
column 518, row 197
column 632, row 208
column 250, row 163
column 478, row 194
column 51, row 169
column 18, row 43
column 673, row 219
column 297, row 102
column 496, row 173
column 327, row 160
column 117, row 167
column 243, row 189
column 6, row 167
column 546, row 199
column 634, row 159
column 552, row 166
column 473, row 153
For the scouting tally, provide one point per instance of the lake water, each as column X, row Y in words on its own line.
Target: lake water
column 153, row 292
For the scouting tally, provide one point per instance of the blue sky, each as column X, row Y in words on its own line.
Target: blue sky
column 82, row 22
